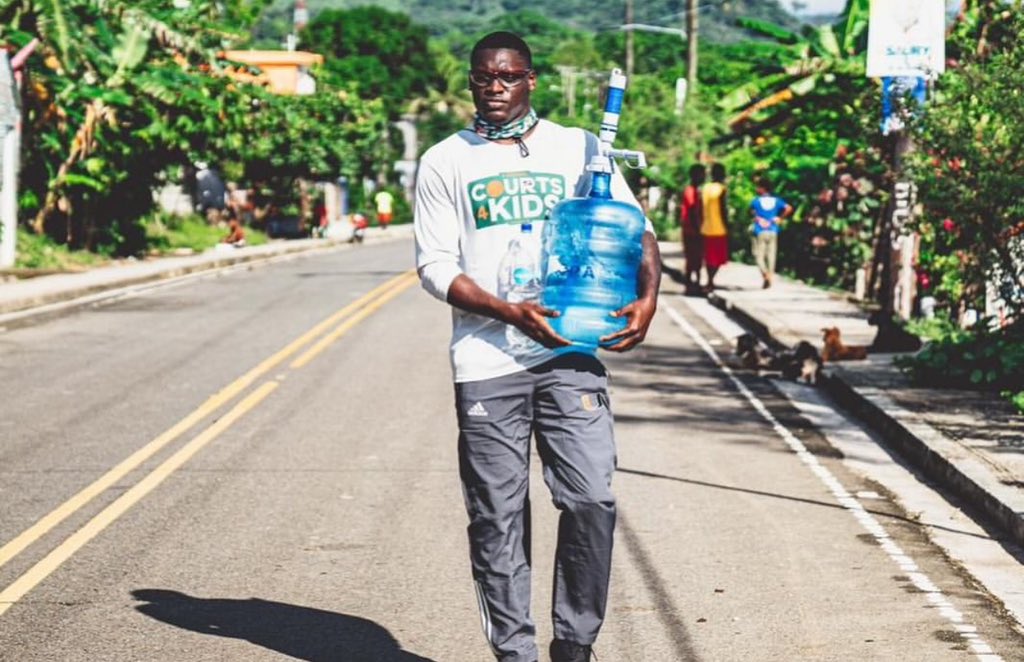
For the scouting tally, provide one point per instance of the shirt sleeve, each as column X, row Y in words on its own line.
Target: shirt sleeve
column 436, row 228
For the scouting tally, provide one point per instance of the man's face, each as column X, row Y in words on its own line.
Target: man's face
column 497, row 101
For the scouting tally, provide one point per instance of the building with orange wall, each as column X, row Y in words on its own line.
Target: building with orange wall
column 285, row 72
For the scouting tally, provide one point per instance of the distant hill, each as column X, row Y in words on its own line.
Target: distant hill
column 717, row 17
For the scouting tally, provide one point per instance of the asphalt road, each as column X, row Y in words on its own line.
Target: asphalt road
column 260, row 465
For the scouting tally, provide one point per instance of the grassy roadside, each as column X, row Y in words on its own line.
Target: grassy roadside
column 165, row 235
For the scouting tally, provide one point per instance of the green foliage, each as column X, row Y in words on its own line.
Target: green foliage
column 1016, row 398
column 376, row 53
column 972, row 224
column 987, row 357
column 41, row 252
column 116, row 98
column 166, row 233
column 801, row 118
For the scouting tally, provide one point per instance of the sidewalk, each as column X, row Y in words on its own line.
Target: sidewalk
column 34, row 297
column 970, row 442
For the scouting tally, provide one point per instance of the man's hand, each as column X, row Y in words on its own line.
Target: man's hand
column 638, row 318
column 531, row 318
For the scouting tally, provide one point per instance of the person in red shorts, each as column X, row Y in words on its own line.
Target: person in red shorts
column 690, row 218
column 385, row 202
column 715, row 224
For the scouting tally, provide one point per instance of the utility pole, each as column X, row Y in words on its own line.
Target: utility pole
column 629, row 40
column 300, row 17
column 691, row 47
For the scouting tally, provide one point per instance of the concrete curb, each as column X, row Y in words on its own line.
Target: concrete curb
column 946, row 462
column 949, row 464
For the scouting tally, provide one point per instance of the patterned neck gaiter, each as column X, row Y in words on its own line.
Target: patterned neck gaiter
column 514, row 130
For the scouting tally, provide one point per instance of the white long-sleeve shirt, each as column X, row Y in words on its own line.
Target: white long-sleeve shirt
column 472, row 195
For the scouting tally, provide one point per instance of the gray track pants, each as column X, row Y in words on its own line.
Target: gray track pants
column 565, row 404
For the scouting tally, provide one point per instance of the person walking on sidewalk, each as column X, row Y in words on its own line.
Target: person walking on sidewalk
column 474, row 190
column 690, row 217
column 768, row 211
column 715, row 224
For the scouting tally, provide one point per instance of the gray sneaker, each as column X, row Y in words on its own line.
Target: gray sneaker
column 569, row 651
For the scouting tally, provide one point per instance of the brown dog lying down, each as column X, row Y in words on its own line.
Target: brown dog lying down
column 835, row 350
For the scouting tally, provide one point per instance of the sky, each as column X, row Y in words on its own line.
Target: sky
column 817, row 6
column 813, row 7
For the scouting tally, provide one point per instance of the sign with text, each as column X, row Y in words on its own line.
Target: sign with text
column 907, row 38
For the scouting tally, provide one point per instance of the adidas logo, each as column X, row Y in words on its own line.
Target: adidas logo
column 477, row 410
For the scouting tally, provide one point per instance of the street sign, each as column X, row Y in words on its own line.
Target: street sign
column 907, row 38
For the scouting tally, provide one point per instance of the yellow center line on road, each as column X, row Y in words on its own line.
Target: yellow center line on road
column 343, row 328
column 212, row 404
column 108, row 515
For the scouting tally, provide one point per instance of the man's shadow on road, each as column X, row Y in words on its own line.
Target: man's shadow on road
column 298, row 632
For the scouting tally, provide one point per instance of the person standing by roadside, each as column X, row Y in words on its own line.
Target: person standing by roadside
column 474, row 191
column 768, row 211
column 385, row 208
column 690, row 219
column 714, row 227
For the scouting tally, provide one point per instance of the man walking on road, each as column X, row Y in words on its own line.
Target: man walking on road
column 768, row 211
column 474, row 191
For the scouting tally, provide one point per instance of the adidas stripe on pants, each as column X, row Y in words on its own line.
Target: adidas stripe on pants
column 564, row 403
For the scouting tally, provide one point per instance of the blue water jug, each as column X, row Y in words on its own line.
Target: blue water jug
column 592, row 248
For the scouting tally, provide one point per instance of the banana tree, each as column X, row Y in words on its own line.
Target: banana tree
column 818, row 54
column 118, row 97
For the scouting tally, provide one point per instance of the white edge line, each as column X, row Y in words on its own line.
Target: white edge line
column 933, row 595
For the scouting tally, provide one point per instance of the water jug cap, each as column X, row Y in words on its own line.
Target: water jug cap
column 600, row 163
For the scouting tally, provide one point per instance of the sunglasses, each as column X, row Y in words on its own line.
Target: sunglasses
column 506, row 78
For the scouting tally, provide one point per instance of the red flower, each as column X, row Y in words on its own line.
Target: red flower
column 948, row 225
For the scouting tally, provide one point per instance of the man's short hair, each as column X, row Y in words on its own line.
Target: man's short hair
column 717, row 172
column 697, row 172
column 503, row 40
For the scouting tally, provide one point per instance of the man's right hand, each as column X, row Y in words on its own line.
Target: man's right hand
column 532, row 319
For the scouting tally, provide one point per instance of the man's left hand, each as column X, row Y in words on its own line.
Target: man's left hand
column 638, row 318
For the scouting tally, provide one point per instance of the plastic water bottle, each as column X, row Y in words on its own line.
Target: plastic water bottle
column 592, row 247
column 519, row 280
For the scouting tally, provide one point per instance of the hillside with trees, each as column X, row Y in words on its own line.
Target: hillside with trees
column 718, row 17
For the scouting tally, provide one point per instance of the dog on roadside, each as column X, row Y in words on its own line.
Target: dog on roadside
column 802, row 363
column 835, row 350
column 752, row 354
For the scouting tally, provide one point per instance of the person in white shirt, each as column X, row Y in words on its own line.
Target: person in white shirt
column 475, row 189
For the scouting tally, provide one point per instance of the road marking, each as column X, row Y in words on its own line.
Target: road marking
column 934, row 596
column 122, row 504
column 327, row 340
column 213, row 403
